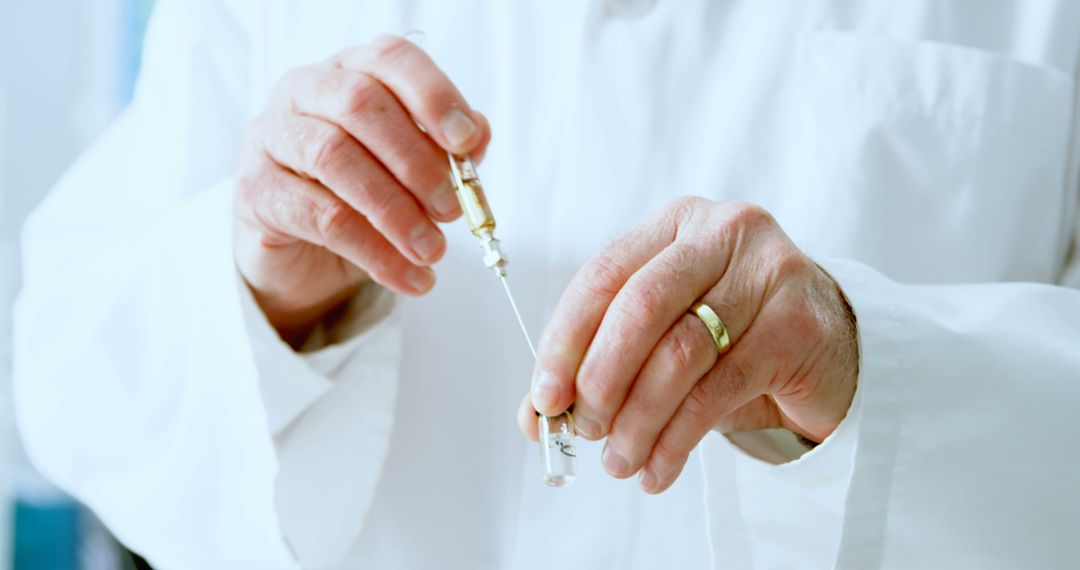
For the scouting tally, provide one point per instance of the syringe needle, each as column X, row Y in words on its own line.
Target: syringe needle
column 517, row 314
column 556, row 433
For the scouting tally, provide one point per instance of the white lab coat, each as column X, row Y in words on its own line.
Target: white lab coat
column 925, row 152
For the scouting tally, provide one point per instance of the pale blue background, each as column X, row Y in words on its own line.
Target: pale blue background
column 66, row 68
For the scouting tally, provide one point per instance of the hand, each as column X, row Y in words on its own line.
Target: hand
column 337, row 185
column 643, row 372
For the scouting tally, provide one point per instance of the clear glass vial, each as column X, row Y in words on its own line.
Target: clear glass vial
column 557, row 453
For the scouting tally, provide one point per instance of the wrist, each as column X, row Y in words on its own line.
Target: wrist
column 295, row 319
column 844, row 355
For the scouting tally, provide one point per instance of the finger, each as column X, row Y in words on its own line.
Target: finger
column 710, row 238
column 682, row 356
column 527, row 419
column 372, row 115
column 324, row 151
column 290, row 205
column 737, row 378
column 582, row 306
column 422, row 88
column 641, row 312
column 679, row 360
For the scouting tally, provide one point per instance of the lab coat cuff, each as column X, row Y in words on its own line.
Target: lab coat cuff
column 291, row 381
column 884, row 360
column 333, row 342
column 822, row 473
column 287, row 383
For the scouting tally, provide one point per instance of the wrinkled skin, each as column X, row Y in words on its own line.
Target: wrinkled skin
column 645, row 374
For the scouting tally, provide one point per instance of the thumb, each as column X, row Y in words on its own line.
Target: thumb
column 552, row 391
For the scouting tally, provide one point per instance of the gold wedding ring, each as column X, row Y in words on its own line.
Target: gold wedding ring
column 714, row 324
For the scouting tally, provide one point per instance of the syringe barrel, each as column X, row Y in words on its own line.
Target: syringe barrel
column 470, row 195
column 475, row 207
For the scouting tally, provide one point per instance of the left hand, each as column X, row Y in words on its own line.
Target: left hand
column 644, row 372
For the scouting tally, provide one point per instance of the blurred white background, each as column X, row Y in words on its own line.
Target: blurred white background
column 66, row 69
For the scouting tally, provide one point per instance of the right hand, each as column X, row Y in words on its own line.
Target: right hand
column 337, row 185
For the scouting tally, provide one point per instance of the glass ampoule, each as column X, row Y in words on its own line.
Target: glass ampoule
column 557, row 452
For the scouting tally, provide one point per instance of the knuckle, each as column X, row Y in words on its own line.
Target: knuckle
column 438, row 97
column 267, row 212
column 688, row 201
column 332, row 221
column 385, row 265
column 419, row 174
column 386, row 206
column 249, row 171
column 751, row 216
column 684, row 261
column 602, row 275
column 362, row 94
column 683, row 348
column 702, row 401
column 786, row 262
column 597, row 392
column 326, row 149
column 684, row 207
column 642, row 404
column 247, row 185
column 258, row 136
column 253, row 179
column 642, row 308
column 388, row 47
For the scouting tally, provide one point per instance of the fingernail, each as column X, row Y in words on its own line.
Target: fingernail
column 420, row 279
column 614, row 463
column 647, row 479
column 426, row 241
column 457, row 127
column 587, row 426
column 444, row 202
column 545, row 392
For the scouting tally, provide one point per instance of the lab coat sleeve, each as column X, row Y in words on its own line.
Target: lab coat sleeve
column 142, row 385
column 964, row 448
column 331, row 411
column 290, row 381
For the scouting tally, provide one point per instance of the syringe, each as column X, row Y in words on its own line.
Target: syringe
column 557, row 453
